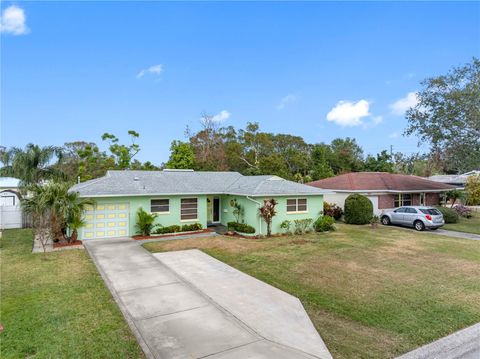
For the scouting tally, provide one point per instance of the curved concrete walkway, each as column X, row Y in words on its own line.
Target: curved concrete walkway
column 202, row 308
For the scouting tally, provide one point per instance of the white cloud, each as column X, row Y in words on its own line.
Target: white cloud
column 13, row 21
column 287, row 100
column 400, row 106
column 221, row 116
column 154, row 70
column 346, row 113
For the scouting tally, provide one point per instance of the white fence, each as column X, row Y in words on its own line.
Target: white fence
column 10, row 217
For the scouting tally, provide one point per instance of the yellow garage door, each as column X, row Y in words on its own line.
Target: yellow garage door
column 106, row 220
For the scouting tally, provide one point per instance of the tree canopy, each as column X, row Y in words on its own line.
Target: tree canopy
column 447, row 116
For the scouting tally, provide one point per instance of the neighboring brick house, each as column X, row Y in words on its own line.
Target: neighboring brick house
column 385, row 190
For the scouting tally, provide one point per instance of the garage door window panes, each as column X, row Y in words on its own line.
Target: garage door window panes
column 159, row 206
column 296, row 205
column 188, row 209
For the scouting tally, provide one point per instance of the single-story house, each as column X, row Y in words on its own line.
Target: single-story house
column 10, row 210
column 187, row 196
column 385, row 190
column 455, row 180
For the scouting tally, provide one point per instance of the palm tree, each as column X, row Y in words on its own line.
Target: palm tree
column 41, row 213
column 54, row 209
column 31, row 165
column 67, row 208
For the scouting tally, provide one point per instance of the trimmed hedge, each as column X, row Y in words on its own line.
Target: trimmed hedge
column 324, row 224
column 358, row 209
column 240, row 227
column 175, row 228
column 449, row 214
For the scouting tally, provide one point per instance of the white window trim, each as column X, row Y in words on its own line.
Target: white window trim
column 160, row 213
column 187, row 220
column 296, row 205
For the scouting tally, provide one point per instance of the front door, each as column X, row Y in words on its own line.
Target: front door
column 216, row 210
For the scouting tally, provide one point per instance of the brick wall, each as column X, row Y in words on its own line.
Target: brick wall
column 432, row 199
column 385, row 201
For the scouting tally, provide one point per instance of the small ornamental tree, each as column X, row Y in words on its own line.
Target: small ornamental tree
column 472, row 189
column 455, row 195
column 267, row 212
column 358, row 209
column 237, row 209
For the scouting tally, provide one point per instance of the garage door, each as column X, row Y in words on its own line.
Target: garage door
column 106, row 220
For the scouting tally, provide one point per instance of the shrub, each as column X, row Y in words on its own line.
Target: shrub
column 240, row 227
column 449, row 215
column 145, row 222
column 302, row 226
column 324, row 224
column 463, row 211
column 191, row 227
column 358, row 209
column 169, row 229
column 332, row 210
column 286, row 225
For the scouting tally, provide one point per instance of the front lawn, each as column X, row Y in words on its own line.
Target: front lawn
column 370, row 293
column 57, row 306
column 469, row 225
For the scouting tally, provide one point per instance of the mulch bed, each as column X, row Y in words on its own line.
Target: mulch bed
column 139, row 238
column 66, row 244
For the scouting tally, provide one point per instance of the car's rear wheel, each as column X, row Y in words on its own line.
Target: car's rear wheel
column 419, row 226
column 385, row 221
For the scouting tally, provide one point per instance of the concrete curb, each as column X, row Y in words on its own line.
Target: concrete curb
column 462, row 344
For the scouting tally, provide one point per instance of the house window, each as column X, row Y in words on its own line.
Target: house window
column 403, row 199
column 160, row 205
column 296, row 205
column 188, row 209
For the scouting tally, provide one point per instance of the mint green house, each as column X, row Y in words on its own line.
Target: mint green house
column 185, row 196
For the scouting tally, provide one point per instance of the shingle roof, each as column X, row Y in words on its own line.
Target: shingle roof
column 379, row 181
column 171, row 182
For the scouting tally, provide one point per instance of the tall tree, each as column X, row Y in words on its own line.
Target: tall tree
column 447, row 116
column 123, row 154
column 181, row 156
column 381, row 163
column 347, row 155
column 320, row 159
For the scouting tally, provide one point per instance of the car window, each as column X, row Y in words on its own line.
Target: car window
column 400, row 210
column 411, row 210
column 431, row 211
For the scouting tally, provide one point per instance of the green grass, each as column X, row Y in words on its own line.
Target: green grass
column 469, row 225
column 370, row 293
column 57, row 306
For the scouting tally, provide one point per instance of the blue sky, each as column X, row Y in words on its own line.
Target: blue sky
column 72, row 71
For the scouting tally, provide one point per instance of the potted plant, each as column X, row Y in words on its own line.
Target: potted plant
column 374, row 221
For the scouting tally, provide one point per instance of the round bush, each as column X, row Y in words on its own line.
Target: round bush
column 324, row 224
column 449, row 214
column 358, row 209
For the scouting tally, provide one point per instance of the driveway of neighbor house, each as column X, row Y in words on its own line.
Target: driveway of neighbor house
column 456, row 234
column 189, row 305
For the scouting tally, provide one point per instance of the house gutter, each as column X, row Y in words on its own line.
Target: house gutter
column 259, row 204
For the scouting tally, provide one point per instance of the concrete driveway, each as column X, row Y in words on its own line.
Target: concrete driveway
column 188, row 305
